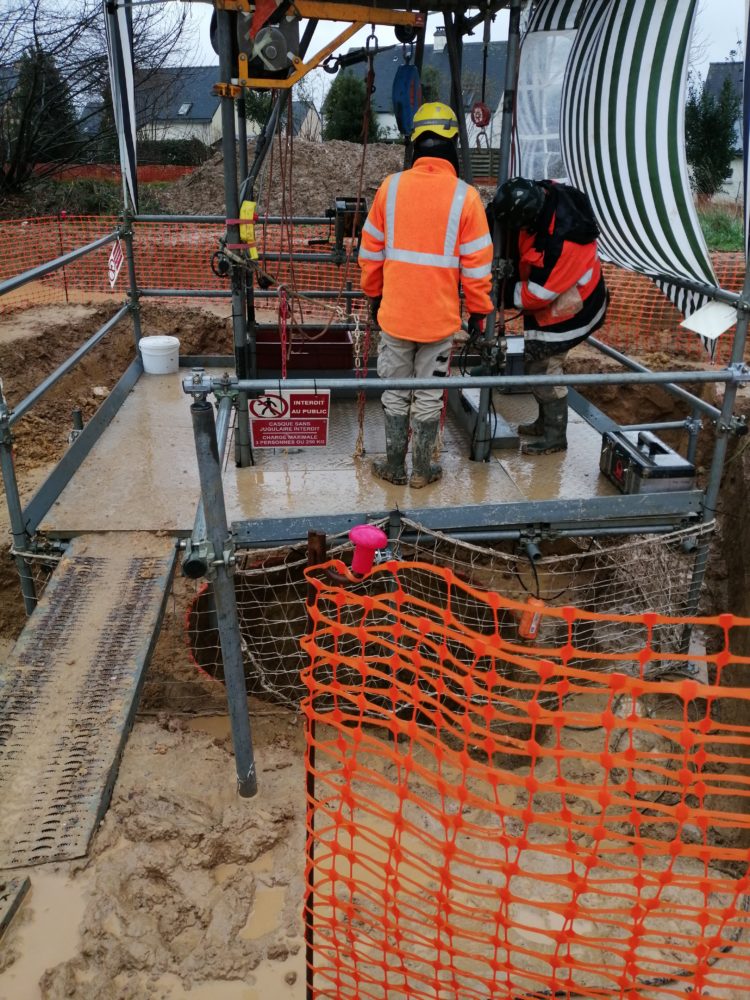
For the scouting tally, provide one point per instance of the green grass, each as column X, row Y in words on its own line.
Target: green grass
column 80, row 197
column 722, row 226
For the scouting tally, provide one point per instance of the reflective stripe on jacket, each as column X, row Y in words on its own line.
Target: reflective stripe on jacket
column 550, row 269
column 426, row 231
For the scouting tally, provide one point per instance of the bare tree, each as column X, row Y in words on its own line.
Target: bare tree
column 64, row 40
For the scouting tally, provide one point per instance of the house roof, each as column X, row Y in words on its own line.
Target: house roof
column 90, row 118
column 176, row 93
column 718, row 74
column 387, row 62
column 8, row 82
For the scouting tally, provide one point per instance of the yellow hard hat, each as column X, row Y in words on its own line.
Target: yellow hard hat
column 437, row 118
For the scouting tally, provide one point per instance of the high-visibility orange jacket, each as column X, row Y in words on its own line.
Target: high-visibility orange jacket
column 426, row 231
column 561, row 289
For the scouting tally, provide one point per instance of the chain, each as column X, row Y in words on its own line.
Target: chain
column 283, row 321
column 361, row 353
column 443, row 414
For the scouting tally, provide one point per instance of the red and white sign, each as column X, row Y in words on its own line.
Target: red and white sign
column 115, row 263
column 296, row 419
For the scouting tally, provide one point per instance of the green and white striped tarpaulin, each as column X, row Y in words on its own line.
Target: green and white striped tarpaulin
column 622, row 132
column 561, row 15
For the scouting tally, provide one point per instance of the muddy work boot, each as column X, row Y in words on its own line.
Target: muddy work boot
column 535, row 428
column 554, row 415
column 423, row 469
column 393, row 469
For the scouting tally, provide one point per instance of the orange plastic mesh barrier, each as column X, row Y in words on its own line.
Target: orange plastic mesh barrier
column 641, row 320
column 497, row 819
column 148, row 173
column 175, row 255
column 27, row 243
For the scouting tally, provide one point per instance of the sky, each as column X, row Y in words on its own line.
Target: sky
column 719, row 26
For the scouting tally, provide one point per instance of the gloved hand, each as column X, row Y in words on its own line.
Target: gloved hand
column 475, row 326
column 374, row 307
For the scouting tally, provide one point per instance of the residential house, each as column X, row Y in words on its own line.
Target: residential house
column 718, row 74
column 178, row 102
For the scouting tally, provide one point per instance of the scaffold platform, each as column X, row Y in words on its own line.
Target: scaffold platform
column 141, row 475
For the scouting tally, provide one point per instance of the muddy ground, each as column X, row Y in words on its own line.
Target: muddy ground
column 188, row 893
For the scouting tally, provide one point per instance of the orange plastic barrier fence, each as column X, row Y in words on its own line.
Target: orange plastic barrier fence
column 500, row 819
column 641, row 319
column 148, row 173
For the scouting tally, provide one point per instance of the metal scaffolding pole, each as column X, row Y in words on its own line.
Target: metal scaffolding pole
column 242, row 135
column 198, row 385
column 454, row 39
column 15, row 510
column 725, row 427
column 481, row 445
column 133, row 294
column 227, row 619
column 243, row 452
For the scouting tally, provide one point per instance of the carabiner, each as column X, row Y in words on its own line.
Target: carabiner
column 408, row 52
column 371, row 45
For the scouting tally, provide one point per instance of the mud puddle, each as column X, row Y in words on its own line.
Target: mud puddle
column 45, row 931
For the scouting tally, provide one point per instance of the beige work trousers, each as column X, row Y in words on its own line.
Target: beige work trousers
column 552, row 364
column 413, row 359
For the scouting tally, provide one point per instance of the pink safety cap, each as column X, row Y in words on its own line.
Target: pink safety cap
column 366, row 539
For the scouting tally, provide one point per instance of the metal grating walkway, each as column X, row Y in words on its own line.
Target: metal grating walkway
column 69, row 691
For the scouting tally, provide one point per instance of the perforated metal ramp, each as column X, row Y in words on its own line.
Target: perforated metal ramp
column 69, row 690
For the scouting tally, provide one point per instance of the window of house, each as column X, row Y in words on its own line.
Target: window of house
column 184, row 108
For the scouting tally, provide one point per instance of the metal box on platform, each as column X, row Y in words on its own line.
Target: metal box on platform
column 639, row 462
column 331, row 352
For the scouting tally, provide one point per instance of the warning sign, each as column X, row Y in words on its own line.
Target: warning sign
column 297, row 419
column 114, row 263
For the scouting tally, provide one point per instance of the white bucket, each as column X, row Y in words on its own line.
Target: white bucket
column 161, row 355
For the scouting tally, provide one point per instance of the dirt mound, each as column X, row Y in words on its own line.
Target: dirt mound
column 319, row 172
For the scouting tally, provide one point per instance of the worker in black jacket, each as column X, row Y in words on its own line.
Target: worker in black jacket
column 558, row 285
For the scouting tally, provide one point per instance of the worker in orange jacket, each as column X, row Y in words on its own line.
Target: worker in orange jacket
column 559, row 288
column 426, row 233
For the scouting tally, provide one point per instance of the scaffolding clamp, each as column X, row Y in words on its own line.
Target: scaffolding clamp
column 740, row 373
column 227, row 559
column 693, row 425
column 6, row 437
column 198, row 383
column 738, row 426
column 198, row 557
column 227, row 387
column 201, row 560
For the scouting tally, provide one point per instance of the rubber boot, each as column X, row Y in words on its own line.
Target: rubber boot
column 424, row 470
column 555, row 417
column 536, row 427
column 393, row 469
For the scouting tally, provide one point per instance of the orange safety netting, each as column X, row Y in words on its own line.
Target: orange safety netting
column 500, row 819
column 640, row 320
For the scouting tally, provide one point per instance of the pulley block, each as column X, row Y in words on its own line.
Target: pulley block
column 480, row 114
